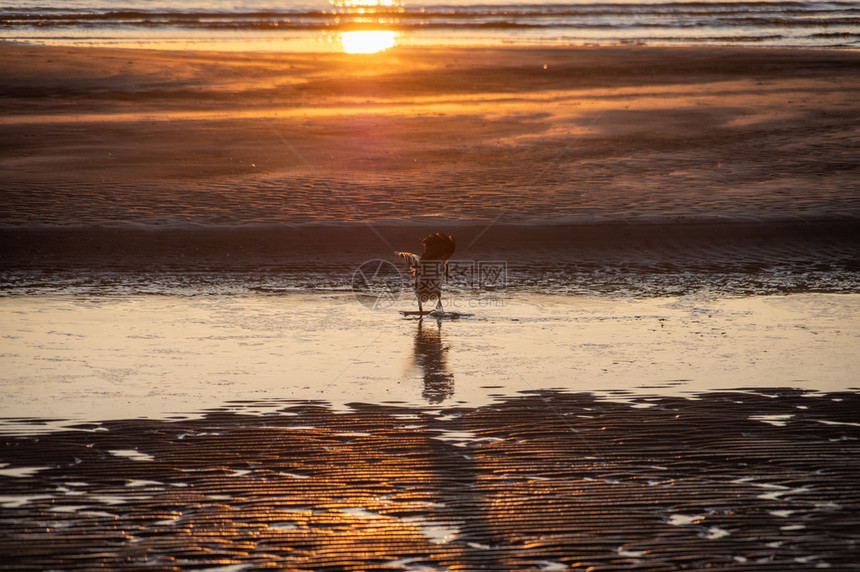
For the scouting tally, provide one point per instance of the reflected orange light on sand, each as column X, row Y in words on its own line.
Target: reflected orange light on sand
column 367, row 41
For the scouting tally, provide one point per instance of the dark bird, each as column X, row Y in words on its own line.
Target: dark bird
column 431, row 268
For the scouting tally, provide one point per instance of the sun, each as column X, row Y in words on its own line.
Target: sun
column 367, row 41
column 367, row 3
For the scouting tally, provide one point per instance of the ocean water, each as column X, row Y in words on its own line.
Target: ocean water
column 320, row 26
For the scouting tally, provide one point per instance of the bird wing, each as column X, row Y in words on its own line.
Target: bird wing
column 412, row 259
column 438, row 247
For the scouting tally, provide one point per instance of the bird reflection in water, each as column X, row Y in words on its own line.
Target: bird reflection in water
column 431, row 357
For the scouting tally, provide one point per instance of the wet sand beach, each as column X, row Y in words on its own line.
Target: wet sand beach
column 662, row 377
column 308, row 432
column 446, row 134
column 545, row 481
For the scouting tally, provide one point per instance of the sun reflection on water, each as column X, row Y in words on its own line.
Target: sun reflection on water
column 368, row 41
